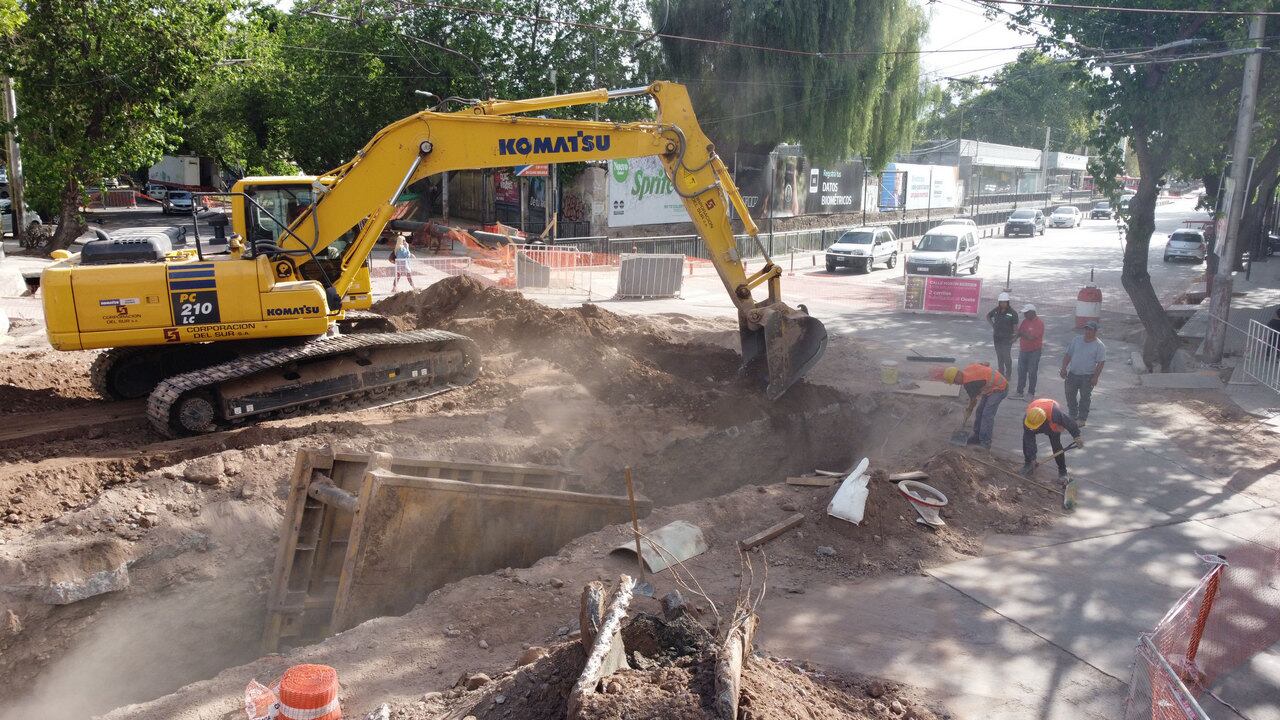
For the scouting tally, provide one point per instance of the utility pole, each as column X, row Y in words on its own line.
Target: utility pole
column 1220, row 297
column 16, row 180
column 1044, row 161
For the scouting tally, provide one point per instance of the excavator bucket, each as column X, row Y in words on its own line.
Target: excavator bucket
column 790, row 341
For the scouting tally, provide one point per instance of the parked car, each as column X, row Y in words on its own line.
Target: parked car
column 1066, row 216
column 960, row 221
column 1101, row 210
column 155, row 191
column 6, row 219
column 176, row 201
column 1024, row 221
column 1124, row 203
column 862, row 248
column 1186, row 244
column 945, row 250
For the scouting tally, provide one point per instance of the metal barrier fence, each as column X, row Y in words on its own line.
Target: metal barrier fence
column 649, row 276
column 552, row 268
column 1262, row 354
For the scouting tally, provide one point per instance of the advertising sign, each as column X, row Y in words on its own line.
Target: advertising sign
column 927, row 186
column 505, row 188
column 785, row 183
column 537, row 170
column 640, row 193
column 936, row 294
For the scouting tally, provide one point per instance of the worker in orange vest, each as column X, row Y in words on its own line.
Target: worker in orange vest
column 1045, row 417
column 987, row 388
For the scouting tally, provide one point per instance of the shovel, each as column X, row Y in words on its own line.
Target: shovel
column 1071, row 490
column 644, row 587
column 961, row 435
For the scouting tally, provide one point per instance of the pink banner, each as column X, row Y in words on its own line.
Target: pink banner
column 926, row 293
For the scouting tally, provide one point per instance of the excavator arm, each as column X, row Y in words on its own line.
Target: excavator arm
column 361, row 194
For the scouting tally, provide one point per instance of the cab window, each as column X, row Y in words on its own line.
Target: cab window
column 284, row 204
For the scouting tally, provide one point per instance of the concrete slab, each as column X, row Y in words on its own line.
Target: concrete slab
column 1259, row 526
column 915, row 629
column 1184, row 380
column 1101, row 511
column 930, row 388
column 1093, row 597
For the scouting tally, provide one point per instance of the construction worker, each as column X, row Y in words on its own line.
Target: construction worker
column 1081, row 367
column 1004, row 322
column 1045, row 417
column 987, row 388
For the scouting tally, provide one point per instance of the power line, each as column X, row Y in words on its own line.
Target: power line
column 1127, row 9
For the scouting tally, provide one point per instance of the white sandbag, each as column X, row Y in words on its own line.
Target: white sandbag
column 850, row 501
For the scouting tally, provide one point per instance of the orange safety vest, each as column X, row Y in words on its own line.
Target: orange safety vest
column 1048, row 406
column 994, row 380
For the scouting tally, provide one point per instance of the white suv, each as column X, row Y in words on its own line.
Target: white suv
column 862, row 248
column 945, row 250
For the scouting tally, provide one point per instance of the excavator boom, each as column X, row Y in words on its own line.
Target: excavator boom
column 359, row 196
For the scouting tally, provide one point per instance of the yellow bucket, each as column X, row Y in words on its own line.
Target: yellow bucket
column 889, row 372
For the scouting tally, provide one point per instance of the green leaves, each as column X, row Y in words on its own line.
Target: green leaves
column 860, row 98
column 96, row 84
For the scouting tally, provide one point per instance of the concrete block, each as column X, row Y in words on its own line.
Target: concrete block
column 12, row 283
column 65, row 592
column 1182, row 381
column 1139, row 366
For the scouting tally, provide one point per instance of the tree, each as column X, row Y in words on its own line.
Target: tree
column 313, row 89
column 1021, row 100
column 11, row 17
column 853, row 90
column 1160, row 107
column 98, row 80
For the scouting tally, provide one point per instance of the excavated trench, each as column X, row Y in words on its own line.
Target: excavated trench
column 171, row 544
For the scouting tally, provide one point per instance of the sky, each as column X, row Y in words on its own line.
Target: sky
column 962, row 25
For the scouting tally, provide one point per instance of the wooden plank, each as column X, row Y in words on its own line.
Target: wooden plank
column 810, row 481
column 913, row 475
column 771, row 532
column 378, row 462
column 729, row 660
column 304, row 462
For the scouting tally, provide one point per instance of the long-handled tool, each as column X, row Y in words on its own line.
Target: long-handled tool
column 644, row 587
column 961, row 435
column 1070, row 490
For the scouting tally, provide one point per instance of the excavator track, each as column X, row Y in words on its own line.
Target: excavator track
column 331, row 369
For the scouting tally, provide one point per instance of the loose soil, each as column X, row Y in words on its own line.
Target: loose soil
column 580, row 389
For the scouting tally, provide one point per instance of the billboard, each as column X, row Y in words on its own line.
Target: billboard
column 785, row 183
column 927, row 186
column 640, row 193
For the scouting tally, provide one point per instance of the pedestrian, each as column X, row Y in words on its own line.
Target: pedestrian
column 402, row 256
column 1045, row 417
column 1081, row 368
column 1030, row 344
column 1274, row 344
column 1004, row 321
column 987, row 388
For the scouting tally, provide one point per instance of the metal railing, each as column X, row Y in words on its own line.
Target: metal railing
column 1262, row 355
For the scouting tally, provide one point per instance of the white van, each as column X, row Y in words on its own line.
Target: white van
column 945, row 250
column 862, row 248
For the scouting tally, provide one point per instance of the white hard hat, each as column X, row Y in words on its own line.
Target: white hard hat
column 1003, row 297
column 1028, row 308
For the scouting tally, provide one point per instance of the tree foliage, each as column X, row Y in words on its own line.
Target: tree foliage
column 836, row 105
column 1165, row 110
column 1021, row 100
column 313, row 90
column 98, row 83
column 11, row 17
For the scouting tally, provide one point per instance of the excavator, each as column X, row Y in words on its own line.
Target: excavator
column 277, row 323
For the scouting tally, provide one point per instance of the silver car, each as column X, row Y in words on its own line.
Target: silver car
column 1067, row 216
column 6, row 219
column 177, row 201
column 1186, row 244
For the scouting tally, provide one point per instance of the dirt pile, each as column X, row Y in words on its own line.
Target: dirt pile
column 622, row 360
column 671, row 676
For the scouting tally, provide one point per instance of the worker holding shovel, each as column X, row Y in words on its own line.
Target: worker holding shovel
column 1045, row 417
column 987, row 388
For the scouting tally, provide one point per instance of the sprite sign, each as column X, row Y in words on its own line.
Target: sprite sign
column 640, row 193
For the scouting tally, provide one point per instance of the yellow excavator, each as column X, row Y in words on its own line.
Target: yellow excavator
column 276, row 323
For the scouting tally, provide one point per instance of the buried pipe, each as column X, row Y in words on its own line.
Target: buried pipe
column 323, row 489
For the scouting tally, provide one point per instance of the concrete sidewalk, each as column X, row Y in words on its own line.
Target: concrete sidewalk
column 1044, row 625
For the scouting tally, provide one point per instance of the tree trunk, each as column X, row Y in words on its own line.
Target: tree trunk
column 70, row 223
column 1261, row 190
column 1162, row 340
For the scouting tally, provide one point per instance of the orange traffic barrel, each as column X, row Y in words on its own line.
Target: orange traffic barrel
column 309, row 692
